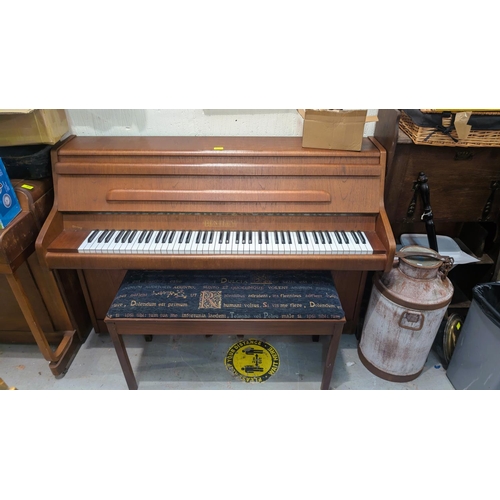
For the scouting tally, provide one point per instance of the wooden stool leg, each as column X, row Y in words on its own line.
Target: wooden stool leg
column 123, row 358
column 330, row 357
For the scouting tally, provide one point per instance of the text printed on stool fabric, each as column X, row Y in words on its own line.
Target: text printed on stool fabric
column 227, row 295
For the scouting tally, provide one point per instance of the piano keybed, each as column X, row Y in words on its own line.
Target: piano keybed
column 191, row 242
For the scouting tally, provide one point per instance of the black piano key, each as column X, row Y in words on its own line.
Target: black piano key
column 118, row 236
column 244, row 237
column 171, row 239
column 181, row 237
column 260, row 237
column 283, row 238
column 165, row 236
column 228, row 236
column 159, row 236
column 211, row 238
column 237, row 238
column 321, row 237
column 266, row 237
column 346, row 239
column 198, row 237
column 276, row 238
column 109, row 236
column 361, row 237
column 188, row 237
column 149, row 236
column 289, row 237
column 204, row 239
column 142, row 236
column 102, row 236
column 299, row 238
column 92, row 235
column 316, row 239
column 327, row 234
column 250, row 236
column 221, row 237
column 125, row 236
column 306, row 239
column 339, row 239
column 353, row 233
column 132, row 236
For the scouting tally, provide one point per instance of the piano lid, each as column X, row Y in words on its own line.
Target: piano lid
column 203, row 146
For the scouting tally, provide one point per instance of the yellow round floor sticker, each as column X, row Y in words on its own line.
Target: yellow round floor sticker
column 252, row 360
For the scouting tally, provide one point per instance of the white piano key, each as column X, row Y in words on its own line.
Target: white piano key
column 114, row 241
column 322, row 244
column 95, row 243
column 181, row 249
column 366, row 244
column 125, row 247
column 331, row 242
column 205, row 242
column 108, row 241
column 138, row 243
column 170, row 242
column 174, row 243
column 101, row 243
column 353, row 236
column 198, row 243
column 149, row 246
column 308, row 239
column 158, row 241
column 86, row 243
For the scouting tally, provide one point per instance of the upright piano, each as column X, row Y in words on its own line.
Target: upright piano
column 215, row 203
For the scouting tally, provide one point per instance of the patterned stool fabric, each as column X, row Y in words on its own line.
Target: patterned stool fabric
column 227, row 295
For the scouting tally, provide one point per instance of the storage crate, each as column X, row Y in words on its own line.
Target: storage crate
column 432, row 136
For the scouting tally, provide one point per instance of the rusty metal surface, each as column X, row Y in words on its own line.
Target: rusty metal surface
column 404, row 313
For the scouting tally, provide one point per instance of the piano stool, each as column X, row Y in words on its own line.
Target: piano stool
column 255, row 303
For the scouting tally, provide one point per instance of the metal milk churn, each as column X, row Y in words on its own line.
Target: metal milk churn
column 404, row 313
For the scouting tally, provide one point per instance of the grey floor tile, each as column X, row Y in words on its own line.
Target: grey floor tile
column 197, row 363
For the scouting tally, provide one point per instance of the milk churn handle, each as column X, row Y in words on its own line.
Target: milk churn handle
column 445, row 267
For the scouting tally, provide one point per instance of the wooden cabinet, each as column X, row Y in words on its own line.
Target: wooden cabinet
column 464, row 186
column 38, row 305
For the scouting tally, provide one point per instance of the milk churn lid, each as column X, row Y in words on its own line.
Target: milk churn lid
column 425, row 258
column 418, row 256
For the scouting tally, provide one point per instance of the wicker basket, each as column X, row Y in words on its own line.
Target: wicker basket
column 433, row 137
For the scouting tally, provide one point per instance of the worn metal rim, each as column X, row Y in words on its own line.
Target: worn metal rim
column 451, row 333
column 384, row 375
column 409, row 305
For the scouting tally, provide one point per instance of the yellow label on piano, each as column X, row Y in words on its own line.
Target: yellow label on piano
column 27, row 186
column 218, row 148
column 252, row 360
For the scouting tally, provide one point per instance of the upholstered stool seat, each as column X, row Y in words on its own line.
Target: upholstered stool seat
column 225, row 302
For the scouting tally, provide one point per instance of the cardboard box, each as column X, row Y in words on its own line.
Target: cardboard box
column 9, row 204
column 19, row 127
column 334, row 128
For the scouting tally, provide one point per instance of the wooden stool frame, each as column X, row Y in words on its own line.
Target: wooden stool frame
column 118, row 327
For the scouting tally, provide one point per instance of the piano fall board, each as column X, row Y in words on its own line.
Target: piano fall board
column 217, row 188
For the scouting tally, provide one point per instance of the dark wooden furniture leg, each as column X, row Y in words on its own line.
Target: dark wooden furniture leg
column 121, row 352
column 330, row 357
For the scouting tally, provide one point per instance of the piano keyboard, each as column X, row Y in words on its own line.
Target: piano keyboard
column 226, row 242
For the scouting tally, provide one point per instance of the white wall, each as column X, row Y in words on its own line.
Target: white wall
column 191, row 122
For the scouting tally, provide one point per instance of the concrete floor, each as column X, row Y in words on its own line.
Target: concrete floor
column 197, row 362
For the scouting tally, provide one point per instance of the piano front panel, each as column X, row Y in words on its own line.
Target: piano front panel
column 224, row 194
